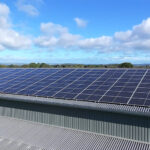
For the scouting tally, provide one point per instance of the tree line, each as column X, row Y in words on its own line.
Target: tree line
column 45, row 65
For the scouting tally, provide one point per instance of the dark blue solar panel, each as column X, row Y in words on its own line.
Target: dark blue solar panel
column 131, row 84
column 76, row 90
column 82, row 97
column 136, row 101
column 140, row 95
column 87, row 91
column 104, row 87
column 94, row 98
column 116, row 88
column 69, row 96
column 147, row 90
column 147, row 103
column 146, row 85
column 125, row 94
column 121, row 100
column 45, row 93
column 93, row 87
column 121, row 86
column 67, row 90
column 60, row 95
column 112, row 93
column 128, row 89
column 107, row 99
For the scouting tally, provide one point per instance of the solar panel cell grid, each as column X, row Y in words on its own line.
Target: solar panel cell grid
column 112, row 93
column 95, row 98
column 99, row 92
column 137, row 101
column 121, row 100
column 147, row 90
column 120, row 86
column 82, row 97
column 108, row 99
column 147, row 103
column 125, row 94
column 88, row 91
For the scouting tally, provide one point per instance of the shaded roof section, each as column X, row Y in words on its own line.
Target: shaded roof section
column 30, row 135
column 117, row 86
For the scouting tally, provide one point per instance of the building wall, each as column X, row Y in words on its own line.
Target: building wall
column 115, row 124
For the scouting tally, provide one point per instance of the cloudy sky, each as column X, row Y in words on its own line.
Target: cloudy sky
column 75, row 31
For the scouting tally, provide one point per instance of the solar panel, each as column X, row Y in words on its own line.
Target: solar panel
column 119, row 86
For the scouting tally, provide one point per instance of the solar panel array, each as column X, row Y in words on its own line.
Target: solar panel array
column 119, row 86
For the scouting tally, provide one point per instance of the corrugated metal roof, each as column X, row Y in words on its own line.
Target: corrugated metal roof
column 134, row 110
column 26, row 135
column 7, row 144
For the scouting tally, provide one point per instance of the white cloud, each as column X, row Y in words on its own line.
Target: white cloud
column 142, row 30
column 4, row 10
column 9, row 38
column 80, row 22
column 53, row 29
column 57, row 36
column 12, row 40
column 54, row 35
column 138, row 38
column 4, row 13
column 96, row 43
column 28, row 7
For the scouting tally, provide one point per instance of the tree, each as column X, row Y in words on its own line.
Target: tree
column 13, row 66
column 126, row 65
column 3, row 66
column 44, row 65
column 33, row 65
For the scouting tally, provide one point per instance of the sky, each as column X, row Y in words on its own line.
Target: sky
column 75, row 31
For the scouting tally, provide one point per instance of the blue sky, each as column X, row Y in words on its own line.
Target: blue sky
column 75, row 31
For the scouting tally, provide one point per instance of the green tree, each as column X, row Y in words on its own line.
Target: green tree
column 44, row 65
column 126, row 65
column 33, row 65
column 13, row 66
column 3, row 66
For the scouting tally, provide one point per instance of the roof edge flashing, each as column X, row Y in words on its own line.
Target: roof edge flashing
column 123, row 109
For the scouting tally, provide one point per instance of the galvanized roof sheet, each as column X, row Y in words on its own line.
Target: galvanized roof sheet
column 18, row 134
column 7, row 144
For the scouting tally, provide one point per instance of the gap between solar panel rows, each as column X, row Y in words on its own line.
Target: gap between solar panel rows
column 96, row 85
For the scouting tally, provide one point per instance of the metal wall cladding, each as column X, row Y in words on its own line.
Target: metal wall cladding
column 115, row 124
